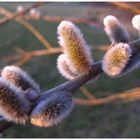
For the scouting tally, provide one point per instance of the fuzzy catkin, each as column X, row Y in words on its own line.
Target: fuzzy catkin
column 52, row 110
column 13, row 106
column 22, row 80
column 116, row 59
column 115, row 30
column 74, row 46
column 64, row 67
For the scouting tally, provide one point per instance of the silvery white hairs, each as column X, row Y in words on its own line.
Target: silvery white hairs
column 78, row 57
column 13, row 105
column 65, row 68
column 22, row 80
column 116, row 59
column 53, row 109
column 121, row 57
column 115, row 30
column 17, row 91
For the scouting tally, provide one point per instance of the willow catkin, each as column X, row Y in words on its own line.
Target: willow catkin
column 116, row 59
column 22, row 80
column 74, row 46
column 115, row 30
column 64, row 67
column 52, row 110
column 13, row 106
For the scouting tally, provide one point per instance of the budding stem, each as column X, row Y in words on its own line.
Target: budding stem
column 72, row 85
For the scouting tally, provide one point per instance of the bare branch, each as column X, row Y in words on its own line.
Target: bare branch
column 28, row 55
column 27, row 9
column 126, row 7
column 28, row 26
column 130, row 95
column 86, row 93
column 35, row 32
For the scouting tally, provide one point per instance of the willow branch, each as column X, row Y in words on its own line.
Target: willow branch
column 73, row 85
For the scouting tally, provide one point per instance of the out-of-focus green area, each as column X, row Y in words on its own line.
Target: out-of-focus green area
column 110, row 120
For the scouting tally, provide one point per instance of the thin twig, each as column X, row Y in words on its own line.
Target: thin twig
column 27, row 9
column 28, row 55
column 87, row 93
column 39, row 36
column 30, row 27
column 59, row 19
column 130, row 95
column 126, row 7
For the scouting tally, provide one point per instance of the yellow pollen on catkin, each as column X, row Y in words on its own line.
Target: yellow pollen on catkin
column 75, row 47
column 116, row 59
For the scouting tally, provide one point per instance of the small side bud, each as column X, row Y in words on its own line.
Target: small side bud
column 66, row 69
column 52, row 110
column 115, row 31
column 21, row 79
column 75, row 47
column 13, row 106
column 116, row 59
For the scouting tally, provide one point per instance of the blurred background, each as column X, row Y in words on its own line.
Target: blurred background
column 21, row 36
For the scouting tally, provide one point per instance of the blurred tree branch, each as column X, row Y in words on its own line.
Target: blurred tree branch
column 23, row 56
column 27, row 9
column 86, row 93
column 126, row 7
column 127, row 96
column 27, row 25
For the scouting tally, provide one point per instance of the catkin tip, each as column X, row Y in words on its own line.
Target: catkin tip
column 115, row 30
column 110, row 20
column 136, row 22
